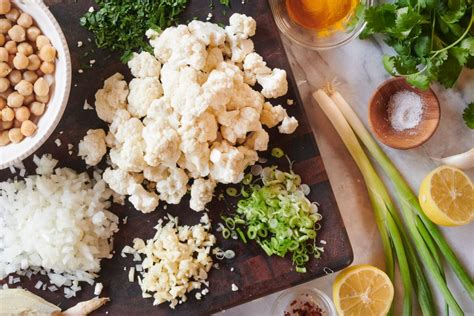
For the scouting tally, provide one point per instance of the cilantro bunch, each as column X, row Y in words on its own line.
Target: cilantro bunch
column 433, row 39
column 120, row 25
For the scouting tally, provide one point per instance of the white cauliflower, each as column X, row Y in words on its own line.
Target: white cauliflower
column 288, row 126
column 161, row 110
column 119, row 180
column 244, row 96
column 241, row 24
column 240, row 28
column 174, row 186
column 253, row 66
column 236, row 124
column 272, row 115
column 144, row 65
column 201, row 193
column 111, row 97
column 165, row 42
column 229, row 162
column 195, row 158
column 202, row 128
column 274, row 85
column 155, row 174
column 143, row 200
column 214, row 58
column 92, row 147
column 129, row 156
column 239, row 47
column 208, row 33
column 142, row 93
column 258, row 140
column 161, row 144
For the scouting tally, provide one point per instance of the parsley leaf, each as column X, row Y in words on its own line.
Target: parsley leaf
column 468, row 115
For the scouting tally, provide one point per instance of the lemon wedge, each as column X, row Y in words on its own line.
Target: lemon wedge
column 447, row 197
column 362, row 290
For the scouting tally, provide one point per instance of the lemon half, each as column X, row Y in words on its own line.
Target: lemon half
column 447, row 197
column 362, row 290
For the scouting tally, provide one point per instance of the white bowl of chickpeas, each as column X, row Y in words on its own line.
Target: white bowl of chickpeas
column 35, row 78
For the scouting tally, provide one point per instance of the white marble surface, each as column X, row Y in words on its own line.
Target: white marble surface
column 358, row 68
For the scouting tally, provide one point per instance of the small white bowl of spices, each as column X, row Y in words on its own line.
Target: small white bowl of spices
column 35, row 78
column 402, row 116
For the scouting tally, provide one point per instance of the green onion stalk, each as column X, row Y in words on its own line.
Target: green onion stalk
column 423, row 242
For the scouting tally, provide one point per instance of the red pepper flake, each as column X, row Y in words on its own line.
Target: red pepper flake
column 304, row 309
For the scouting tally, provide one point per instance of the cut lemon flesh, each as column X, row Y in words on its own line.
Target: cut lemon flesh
column 447, row 197
column 362, row 290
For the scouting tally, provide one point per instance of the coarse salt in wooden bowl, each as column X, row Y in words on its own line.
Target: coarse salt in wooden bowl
column 380, row 123
column 59, row 95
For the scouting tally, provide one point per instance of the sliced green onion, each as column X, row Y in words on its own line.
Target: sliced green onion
column 231, row 191
column 277, row 152
column 300, row 269
column 248, row 178
column 226, row 233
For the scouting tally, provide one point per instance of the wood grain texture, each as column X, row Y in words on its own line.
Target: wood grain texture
column 380, row 123
column 254, row 273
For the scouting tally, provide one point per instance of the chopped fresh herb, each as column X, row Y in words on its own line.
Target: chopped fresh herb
column 278, row 217
column 433, row 40
column 468, row 115
column 121, row 25
column 277, row 152
column 225, row 2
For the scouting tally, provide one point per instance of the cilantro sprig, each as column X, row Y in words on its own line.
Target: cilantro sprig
column 121, row 25
column 433, row 39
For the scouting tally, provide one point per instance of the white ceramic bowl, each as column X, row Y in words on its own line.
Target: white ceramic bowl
column 13, row 153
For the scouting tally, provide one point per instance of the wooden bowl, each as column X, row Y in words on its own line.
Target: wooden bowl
column 380, row 124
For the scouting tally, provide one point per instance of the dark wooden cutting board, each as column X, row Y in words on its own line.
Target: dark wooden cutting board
column 254, row 273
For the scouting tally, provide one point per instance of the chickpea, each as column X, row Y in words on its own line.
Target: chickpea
column 11, row 47
column 7, row 114
column 29, row 99
column 6, row 125
column 5, row 6
column 3, row 103
column 24, row 88
column 25, row 48
column 32, row 33
column 5, row 26
column 25, row 20
column 17, row 33
column 3, row 54
column 4, row 139
column 20, row 61
column 41, row 87
column 47, row 53
column 4, row 85
column 47, row 67
column 15, row 135
column 13, row 14
column 37, row 108
column 4, row 70
column 2, row 40
column 41, row 41
column 30, row 76
column 15, row 77
column 22, row 114
column 42, row 99
column 28, row 128
column 34, row 62
column 15, row 100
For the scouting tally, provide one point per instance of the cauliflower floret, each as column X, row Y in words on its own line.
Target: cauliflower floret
column 161, row 110
column 161, row 144
column 92, row 147
column 239, row 47
column 288, row 126
column 129, row 156
column 208, row 33
column 258, row 140
column 119, row 180
column 242, row 25
column 201, row 193
column 229, row 162
column 218, row 88
column 202, row 128
column 244, row 96
column 143, row 200
column 144, row 65
column 214, row 58
column 155, row 174
column 274, row 85
column 164, row 43
column 111, row 97
column 186, row 97
column 253, row 66
column 189, row 50
column 195, row 158
column 174, row 186
column 126, row 129
column 272, row 115
column 142, row 92
column 245, row 120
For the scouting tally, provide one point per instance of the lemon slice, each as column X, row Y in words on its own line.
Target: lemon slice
column 447, row 197
column 362, row 290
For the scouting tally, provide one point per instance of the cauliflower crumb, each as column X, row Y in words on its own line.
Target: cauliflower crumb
column 92, row 147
